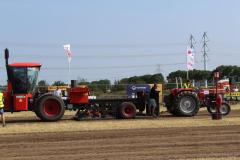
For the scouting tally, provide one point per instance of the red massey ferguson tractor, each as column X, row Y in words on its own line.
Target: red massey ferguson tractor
column 21, row 94
column 187, row 101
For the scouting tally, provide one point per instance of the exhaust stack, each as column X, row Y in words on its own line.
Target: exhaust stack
column 6, row 56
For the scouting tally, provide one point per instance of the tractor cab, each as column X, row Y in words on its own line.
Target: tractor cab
column 23, row 77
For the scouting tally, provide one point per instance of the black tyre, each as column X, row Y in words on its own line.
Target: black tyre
column 187, row 104
column 169, row 103
column 127, row 110
column 211, row 109
column 225, row 109
column 50, row 108
column 36, row 112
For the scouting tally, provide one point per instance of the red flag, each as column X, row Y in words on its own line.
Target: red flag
column 190, row 58
column 68, row 51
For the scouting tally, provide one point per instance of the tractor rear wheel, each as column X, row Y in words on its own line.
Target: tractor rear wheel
column 50, row 108
column 187, row 104
column 127, row 110
column 225, row 109
column 169, row 103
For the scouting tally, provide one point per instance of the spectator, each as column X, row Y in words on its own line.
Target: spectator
column 188, row 84
column 58, row 92
column 2, row 110
column 153, row 99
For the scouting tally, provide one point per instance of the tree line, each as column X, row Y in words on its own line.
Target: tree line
column 105, row 85
column 226, row 71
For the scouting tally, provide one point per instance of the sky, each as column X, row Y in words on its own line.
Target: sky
column 114, row 39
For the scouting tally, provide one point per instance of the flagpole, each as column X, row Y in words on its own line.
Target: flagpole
column 69, row 55
column 187, row 63
column 69, row 73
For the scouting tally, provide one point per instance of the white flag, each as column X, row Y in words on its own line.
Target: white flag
column 190, row 58
column 68, row 51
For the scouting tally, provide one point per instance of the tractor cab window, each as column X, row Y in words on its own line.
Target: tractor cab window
column 32, row 74
column 19, row 79
column 24, row 79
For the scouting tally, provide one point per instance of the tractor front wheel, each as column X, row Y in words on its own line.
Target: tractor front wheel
column 225, row 109
column 50, row 108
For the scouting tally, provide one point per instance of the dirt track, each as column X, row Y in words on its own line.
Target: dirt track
column 146, row 143
column 167, row 143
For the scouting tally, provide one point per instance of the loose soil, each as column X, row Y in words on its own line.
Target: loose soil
column 169, row 143
column 195, row 141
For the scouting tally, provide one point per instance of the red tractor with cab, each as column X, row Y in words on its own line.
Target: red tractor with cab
column 21, row 94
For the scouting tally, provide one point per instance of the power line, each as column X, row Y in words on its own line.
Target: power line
column 114, row 67
column 113, row 56
column 98, row 56
column 111, row 67
column 89, row 46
